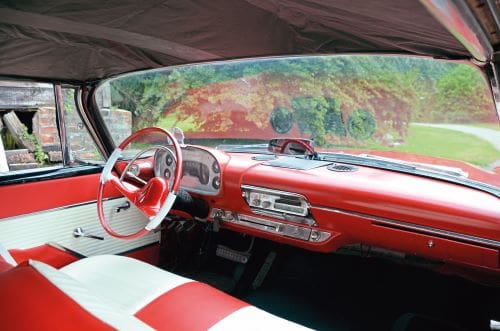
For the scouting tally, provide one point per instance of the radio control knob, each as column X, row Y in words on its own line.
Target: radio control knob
column 266, row 204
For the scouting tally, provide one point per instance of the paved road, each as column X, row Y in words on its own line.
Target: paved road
column 490, row 135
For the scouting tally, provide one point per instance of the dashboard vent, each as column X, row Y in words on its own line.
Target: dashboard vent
column 342, row 168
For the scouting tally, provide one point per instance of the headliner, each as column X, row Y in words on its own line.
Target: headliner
column 89, row 40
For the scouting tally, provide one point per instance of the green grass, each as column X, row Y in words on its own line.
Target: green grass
column 170, row 121
column 448, row 144
column 444, row 143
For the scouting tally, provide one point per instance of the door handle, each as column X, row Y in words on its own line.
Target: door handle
column 124, row 206
column 78, row 232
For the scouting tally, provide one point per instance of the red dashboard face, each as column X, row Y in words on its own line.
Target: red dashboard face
column 318, row 208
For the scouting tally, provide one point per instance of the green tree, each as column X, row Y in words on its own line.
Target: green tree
column 462, row 96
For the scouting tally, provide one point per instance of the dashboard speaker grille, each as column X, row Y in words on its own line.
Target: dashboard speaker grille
column 342, row 168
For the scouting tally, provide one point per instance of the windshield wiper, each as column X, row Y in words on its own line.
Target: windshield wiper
column 452, row 175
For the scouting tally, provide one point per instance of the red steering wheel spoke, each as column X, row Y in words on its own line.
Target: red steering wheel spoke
column 128, row 190
column 150, row 197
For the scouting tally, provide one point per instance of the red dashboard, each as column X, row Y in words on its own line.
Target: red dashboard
column 401, row 212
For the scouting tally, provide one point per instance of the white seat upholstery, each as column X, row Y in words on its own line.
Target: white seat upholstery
column 130, row 283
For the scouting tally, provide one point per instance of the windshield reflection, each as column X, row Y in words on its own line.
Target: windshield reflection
column 397, row 107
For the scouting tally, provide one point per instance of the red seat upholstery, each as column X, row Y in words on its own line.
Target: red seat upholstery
column 115, row 292
column 29, row 301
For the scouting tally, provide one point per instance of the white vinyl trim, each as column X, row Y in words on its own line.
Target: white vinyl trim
column 106, row 172
column 131, row 284
column 162, row 213
column 31, row 230
column 251, row 318
column 4, row 253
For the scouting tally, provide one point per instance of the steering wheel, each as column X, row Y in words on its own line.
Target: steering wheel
column 154, row 199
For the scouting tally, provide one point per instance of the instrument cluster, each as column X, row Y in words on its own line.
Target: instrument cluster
column 201, row 170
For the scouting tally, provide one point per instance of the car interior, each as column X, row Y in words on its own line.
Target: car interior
column 250, row 165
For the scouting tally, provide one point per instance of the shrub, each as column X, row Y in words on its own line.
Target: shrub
column 361, row 124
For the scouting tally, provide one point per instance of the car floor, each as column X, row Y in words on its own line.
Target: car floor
column 329, row 292
column 344, row 292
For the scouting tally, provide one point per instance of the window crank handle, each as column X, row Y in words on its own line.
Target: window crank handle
column 78, row 232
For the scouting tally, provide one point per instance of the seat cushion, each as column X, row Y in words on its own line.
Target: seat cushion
column 164, row 300
column 34, row 297
column 130, row 283
column 201, row 306
column 123, row 293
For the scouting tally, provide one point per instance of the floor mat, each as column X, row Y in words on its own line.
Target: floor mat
column 332, row 292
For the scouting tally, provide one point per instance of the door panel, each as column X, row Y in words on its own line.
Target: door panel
column 57, row 225
column 19, row 199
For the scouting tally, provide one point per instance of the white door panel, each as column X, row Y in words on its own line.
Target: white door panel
column 57, row 226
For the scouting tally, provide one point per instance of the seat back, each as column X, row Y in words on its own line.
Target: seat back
column 37, row 292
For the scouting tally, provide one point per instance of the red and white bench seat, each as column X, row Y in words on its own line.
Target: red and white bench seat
column 116, row 292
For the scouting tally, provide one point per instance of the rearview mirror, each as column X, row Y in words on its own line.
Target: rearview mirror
column 290, row 146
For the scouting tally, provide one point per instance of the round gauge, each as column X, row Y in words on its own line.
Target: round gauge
column 204, row 175
column 215, row 167
column 167, row 173
column 169, row 160
column 216, row 183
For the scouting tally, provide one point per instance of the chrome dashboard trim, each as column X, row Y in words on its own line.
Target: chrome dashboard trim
column 284, row 211
column 304, row 220
column 273, row 191
column 295, row 231
column 416, row 228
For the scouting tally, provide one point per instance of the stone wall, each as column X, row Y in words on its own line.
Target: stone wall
column 118, row 121
column 45, row 127
column 80, row 143
column 21, row 95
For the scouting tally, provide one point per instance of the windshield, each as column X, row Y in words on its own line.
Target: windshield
column 404, row 108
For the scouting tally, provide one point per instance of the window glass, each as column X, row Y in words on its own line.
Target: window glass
column 29, row 132
column 82, row 148
column 417, row 110
column 28, row 126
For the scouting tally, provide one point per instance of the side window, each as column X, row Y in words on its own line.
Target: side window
column 117, row 120
column 28, row 127
column 82, row 148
